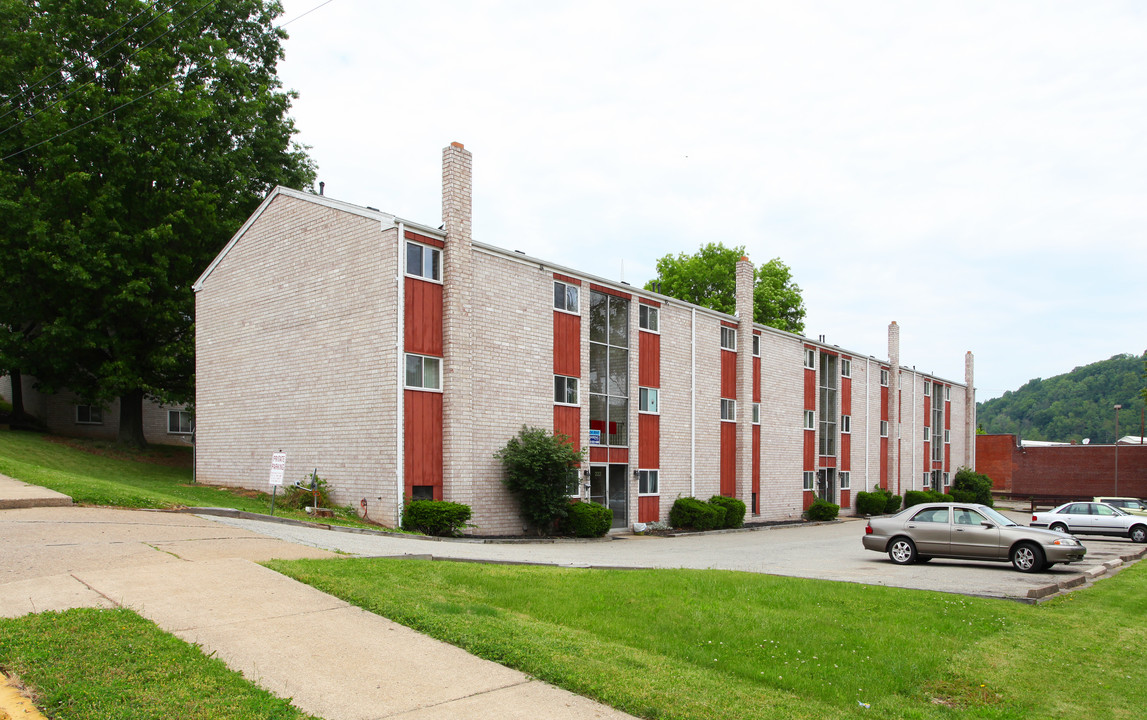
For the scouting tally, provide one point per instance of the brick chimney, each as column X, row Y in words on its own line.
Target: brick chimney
column 457, row 326
column 970, row 410
column 745, row 280
column 894, row 408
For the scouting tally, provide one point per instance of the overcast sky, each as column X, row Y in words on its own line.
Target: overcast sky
column 976, row 171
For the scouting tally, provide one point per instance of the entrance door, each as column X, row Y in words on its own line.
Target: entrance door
column 826, row 484
column 938, row 481
column 609, row 486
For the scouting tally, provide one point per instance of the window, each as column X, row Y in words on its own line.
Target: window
column 89, row 415
column 421, row 492
column 810, row 358
column 947, row 392
column 423, row 373
column 728, row 410
column 927, row 387
column 927, row 433
column 608, row 369
column 756, row 346
column 728, row 338
column 828, row 405
column 565, row 390
column 756, row 413
column 179, row 422
column 565, row 297
column 845, row 367
column 809, row 479
column 924, row 484
column 947, row 437
column 648, row 400
column 932, row 515
column 845, row 480
column 947, row 480
column 648, row 318
column 647, row 482
column 883, row 377
column 846, row 423
column 423, row 261
column 809, row 420
column 883, row 428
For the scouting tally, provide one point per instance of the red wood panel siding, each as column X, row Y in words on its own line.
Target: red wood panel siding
column 567, row 420
column 947, row 457
column 827, row 461
column 927, row 410
column 757, row 468
column 884, row 462
column 567, row 279
column 648, row 508
column 808, row 498
column 598, row 454
column 423, row 317
column 649, row 442
column 947, row 414
column 728, row 459
column 756, row 379
column 729, row 375
column 927, row 456
column 846, row 396
column 567, row 344
column 845, row 452
column 610, row 291
column 728, row 324
column 433, row 242
column 423, row 440
column 884, row 402
column 647, row 301
column 809, row 390
column 619, row 455
column 846, row 498
column 810, row 450
column 649, row 359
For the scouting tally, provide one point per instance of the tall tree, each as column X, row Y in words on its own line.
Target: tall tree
column 135, row 138
column 709, row 278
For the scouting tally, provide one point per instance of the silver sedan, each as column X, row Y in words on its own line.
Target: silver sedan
column 1093, row 518
column 967, row 532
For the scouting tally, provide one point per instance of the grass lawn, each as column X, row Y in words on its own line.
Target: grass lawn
column 99, row 473
column 89, row 664
column 717, row 644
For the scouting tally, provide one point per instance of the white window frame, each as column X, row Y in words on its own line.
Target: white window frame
column 947, row 393
column 947, row 437
column 728, row 338
column 846, row 367
column 884, row 428
column 845, row 424
column 810, row 358
column 91, row 410
column 178, row 424
column 565, row 382
column 810, row 419
column 644, row 312
column 947, row 479
column 845, row 480
column 565, row 297
column 928, row 388
column 756, row 413
column 728, row 410
column 422, row 371
column 927, row 481
column 927, row 434
column 643, row 395
column 756, row 345
column 809, row 480
column 425, row 249
column 649, row 479
column 883, row 377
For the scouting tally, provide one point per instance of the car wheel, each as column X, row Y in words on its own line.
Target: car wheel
column 1139, row 533
column 1027, row 557
column 902, row 551
column 1058, row 527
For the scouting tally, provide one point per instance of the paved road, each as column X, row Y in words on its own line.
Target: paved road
column 831, row 551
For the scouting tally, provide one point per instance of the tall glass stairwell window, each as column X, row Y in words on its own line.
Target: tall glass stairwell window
column 829, row 384
column 609, row 369
column 937, row 422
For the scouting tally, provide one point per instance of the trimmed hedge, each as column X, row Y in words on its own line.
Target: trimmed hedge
column 915, row 497
column 822, row 510
column 693, row 514
column 435, row 517
column 878, row 502
column 587, row 519
column 734, row 510
column 977, row 487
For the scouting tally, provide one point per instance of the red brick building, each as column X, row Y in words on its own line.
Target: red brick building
column 1083, row 470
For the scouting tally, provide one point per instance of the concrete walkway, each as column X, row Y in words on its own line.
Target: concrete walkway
column 200, row 580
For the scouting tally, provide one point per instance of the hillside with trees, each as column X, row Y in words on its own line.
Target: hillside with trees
column 1073, row 406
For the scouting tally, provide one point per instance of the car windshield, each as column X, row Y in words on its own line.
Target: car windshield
column 996, row 517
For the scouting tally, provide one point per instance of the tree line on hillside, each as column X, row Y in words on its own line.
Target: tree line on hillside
column 1073, row 406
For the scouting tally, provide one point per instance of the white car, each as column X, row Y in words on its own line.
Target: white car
column 1092, row 518
column 1130, row 505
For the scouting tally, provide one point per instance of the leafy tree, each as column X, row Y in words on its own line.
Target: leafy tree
column 134, row 140
column 709, row 278
column 541, row 470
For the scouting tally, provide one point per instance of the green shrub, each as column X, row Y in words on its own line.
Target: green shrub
column 587, row 519
column 300, row 498
column 734, row 510
column 541, row 470
column 435, row 517
column 872, row 503
column 892, row 504
column 971, row 482
column 822, row 510
column 691, row 513
column 963, row 496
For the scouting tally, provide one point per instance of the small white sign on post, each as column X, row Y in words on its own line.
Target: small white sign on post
column 278, row 467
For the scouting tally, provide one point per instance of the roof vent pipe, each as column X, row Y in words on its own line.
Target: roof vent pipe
column 321, row 186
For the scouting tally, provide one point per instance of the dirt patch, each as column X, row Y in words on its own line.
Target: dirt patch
column 156, row 454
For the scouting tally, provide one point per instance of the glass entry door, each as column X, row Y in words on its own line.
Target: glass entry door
column 609, row 486
column 826, row 484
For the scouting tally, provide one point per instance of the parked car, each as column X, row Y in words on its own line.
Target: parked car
column 1092, row 518
column 967, row 531
column 1133, row 506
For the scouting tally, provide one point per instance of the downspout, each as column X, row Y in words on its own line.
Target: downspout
column 867, row 408
column 693, row 407
column 399, row 346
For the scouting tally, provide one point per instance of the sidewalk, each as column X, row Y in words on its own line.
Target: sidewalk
column 200, row 581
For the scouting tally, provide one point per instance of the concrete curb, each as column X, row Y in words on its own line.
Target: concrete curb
column 14, row 705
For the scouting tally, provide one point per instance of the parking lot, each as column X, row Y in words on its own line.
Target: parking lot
column 829, row 551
